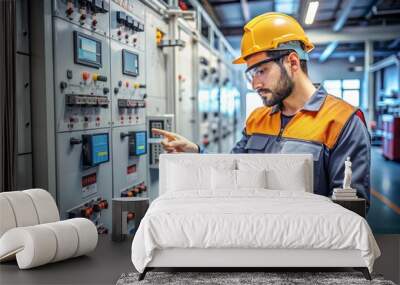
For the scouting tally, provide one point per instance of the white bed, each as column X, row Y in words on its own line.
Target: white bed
column 215, row 211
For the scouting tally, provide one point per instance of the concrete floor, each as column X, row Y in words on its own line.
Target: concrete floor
column 106, row 264
column 103, row 266
column 384, row 213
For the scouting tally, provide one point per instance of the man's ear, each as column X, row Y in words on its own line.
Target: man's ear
column 294, row 62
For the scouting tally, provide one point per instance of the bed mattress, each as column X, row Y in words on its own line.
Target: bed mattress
column 250, row 219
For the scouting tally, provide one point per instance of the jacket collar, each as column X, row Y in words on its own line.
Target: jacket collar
column 313, row 105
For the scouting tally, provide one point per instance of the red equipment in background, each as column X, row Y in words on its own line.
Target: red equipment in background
column 391, row 137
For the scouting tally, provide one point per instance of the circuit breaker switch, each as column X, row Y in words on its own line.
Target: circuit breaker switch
column 121, row 18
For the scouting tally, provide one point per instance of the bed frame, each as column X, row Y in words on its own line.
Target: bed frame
column 242, row 259
column 245, row 258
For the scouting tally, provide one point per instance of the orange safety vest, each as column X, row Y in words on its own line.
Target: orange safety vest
column 323, row 126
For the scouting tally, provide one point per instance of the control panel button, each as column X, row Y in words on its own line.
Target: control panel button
column 85, row 75
column 129, row 22
column 69, row 11
column 69, row 74
column 63, row 85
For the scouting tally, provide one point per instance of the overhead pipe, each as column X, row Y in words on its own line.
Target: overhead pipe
column 339, row 24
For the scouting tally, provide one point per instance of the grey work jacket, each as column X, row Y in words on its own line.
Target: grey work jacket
column 354, row 141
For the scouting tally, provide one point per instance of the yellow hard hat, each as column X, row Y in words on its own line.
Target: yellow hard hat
column 268, row 31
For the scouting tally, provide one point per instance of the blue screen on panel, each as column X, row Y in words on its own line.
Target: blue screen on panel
column 140, row 143
column 131, row 63
column 100, row 151
column 87, row 49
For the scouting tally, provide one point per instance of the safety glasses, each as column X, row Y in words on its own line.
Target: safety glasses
column 259, row 70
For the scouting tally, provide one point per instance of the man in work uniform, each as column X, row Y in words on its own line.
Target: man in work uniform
column 296, row 116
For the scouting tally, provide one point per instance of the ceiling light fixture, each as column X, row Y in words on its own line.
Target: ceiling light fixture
column 311, row 12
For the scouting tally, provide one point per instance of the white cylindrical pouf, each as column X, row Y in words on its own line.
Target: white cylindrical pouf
column 45, row 205
column 7, row 218
column 67, row 239
column 34, row 246
column 87, row 235
column 23, row 207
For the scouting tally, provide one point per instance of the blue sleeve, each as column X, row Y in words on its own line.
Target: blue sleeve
column 354, row 142
column 240, row 145
column 201, row 149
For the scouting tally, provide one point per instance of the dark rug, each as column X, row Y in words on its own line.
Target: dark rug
column 228, row 278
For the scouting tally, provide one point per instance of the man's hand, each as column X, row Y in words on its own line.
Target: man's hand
column 173, row 143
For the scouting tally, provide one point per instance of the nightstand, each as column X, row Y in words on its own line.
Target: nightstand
column 358, row 205
column 127, row 212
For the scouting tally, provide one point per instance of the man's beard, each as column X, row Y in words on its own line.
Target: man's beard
column 282, row 91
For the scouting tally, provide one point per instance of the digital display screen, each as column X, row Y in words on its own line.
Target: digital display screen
column 130, row 63
column 100, row 148
column 95, row 149
column 87, row 50
column 138, row 143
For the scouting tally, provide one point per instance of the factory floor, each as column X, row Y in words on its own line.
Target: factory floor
column 102, row 266
column 110, row 259
column 384, row 213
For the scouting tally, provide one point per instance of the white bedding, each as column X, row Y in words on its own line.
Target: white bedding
column 251, row 218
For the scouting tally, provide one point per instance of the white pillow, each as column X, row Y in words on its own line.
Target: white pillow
column 188, row 177
column 293, row 178
column 282, row 174
column 193, row 173
column 251, row 178
column 223, row 179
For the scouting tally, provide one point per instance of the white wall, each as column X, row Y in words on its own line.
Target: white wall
column 334, row 69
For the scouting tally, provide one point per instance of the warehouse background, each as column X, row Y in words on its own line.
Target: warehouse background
column 183, row 81
column 356, row 58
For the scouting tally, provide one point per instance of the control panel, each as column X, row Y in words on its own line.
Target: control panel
column 137, row 143
column 128, row 80
column 84, row 174
column 92, row 210
column 116, row 62
column 127, row 24
column 130, row 161
column 128, row 84
column 92, row 15
column 82, row 78
column 95, row 149
column 138, row 190
column 164, row 122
